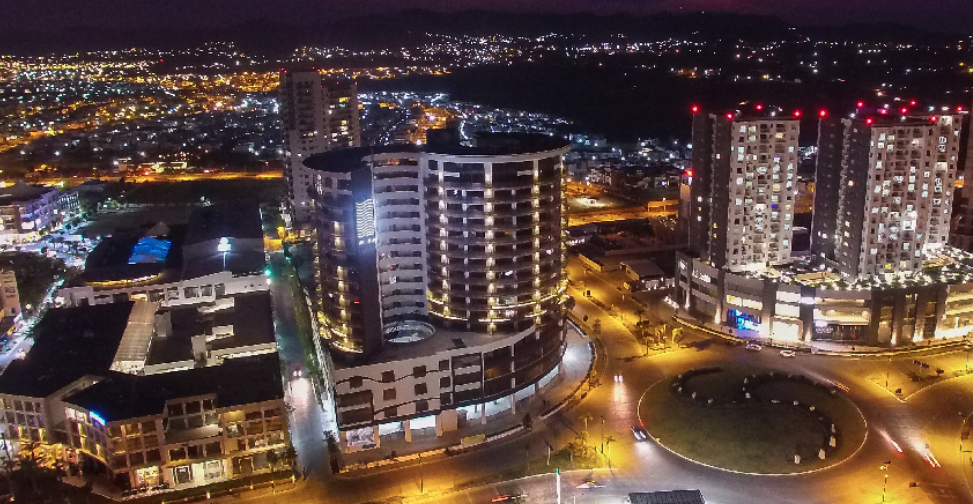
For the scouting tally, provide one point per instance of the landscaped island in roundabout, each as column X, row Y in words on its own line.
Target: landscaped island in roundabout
column 753, row 420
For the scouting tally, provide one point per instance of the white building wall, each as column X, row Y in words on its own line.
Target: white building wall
column 912, row 170
column 763, row 170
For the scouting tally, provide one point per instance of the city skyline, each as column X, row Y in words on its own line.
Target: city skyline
column 949, row 16
column 339, row 252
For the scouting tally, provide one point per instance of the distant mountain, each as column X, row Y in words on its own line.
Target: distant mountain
column 408, row 27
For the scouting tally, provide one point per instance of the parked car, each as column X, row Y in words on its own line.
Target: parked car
column 787, row 353
column 755, row 347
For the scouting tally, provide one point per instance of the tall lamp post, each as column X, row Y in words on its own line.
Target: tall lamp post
column 224, row 247
column 962, row 430
column 885, row 485
column 887, row 370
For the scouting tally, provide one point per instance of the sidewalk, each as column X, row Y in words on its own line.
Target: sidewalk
column 500, row 421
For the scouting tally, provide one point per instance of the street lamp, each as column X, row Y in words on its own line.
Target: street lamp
column 887, row 369
column 962, row 430
column 224, row 247
column 885, row 485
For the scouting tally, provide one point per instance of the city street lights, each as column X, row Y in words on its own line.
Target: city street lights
column 962, row 430
column 223, row 247
column 887, row 370
column 885, row 485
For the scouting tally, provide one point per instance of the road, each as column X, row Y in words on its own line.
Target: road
column 306, row 417
column 930, row 412
column 159, row 177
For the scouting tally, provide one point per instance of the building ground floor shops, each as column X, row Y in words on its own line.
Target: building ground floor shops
column 446, row 421
column 470, row 424
column 914, row 312
column 191, row 474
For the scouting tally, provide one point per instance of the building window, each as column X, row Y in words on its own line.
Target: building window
column 390, row 412
column 421, row 388
column 388, row 376
column 444, row 399
column 444, row 382
column 419, row 371
column 422, row 406
column 355, row 381
column 444, row 365
column 388, row 394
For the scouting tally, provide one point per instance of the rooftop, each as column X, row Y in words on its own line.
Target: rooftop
column 22, row 191
column 442, row 340
column 950, row 266
column 236, row 382
column 224, row 220
column 129, row 256
column 250, row 315
column 644, row 268
column 494, row 144
column 670, row 497
column 69, row 343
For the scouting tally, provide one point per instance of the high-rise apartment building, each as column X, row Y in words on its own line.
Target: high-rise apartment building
column 440, row 276
column 884, row 191
column 742, row 193
column 318, row 115
column 961, row 226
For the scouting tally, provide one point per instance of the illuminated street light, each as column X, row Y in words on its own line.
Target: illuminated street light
column 224, row 247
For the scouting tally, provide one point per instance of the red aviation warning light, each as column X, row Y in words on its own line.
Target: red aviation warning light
column 695, row 109
column 869, row 121
column 933, row 119
column 760, row 106
column 689, row 173
column 797, row 113
column 823, row 113
column 913, row 103
column 729, row 116
column 904, row 110
column 861, row 104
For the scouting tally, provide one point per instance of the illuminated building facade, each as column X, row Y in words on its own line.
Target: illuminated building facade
column 441, row 276
column 28, row 212
column 67, row 400
column 961, row 225
column 884, row 198
column 318, row 115
column 881, row 272
column 742, row 192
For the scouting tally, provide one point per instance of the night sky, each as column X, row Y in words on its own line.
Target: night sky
column 954, row 16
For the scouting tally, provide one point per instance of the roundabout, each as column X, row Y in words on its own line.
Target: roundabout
column 752, row 420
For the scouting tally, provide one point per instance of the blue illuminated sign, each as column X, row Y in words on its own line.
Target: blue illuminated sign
column 96, row 417
column 744, row 321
